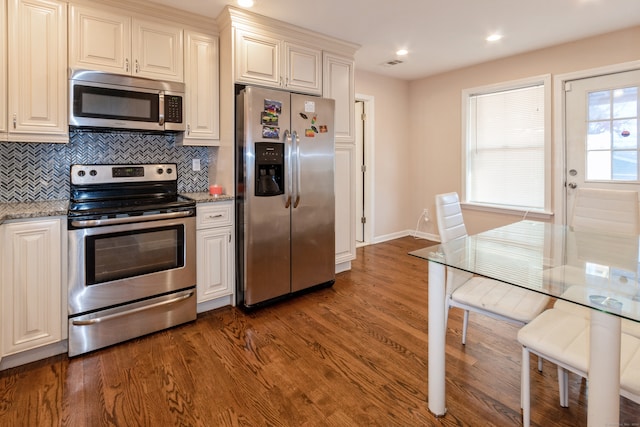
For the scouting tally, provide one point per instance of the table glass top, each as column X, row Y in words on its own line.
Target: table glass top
column 595, row 270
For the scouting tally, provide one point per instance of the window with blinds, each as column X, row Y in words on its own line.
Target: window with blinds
column 506, row 145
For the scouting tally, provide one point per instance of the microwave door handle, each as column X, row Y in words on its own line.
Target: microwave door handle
column 161, row 108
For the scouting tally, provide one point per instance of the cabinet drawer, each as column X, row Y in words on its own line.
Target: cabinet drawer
column 214, row 215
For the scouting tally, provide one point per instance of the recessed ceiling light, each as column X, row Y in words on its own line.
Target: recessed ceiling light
column 245, row 3
column 402, row 52
column 494, row 37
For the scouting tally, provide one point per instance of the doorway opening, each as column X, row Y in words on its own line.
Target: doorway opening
column 364, row 169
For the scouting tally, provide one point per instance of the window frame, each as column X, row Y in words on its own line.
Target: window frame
column 545, row 81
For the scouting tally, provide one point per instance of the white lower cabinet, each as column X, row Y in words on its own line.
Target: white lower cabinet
column 215, row 253
column 31, row 284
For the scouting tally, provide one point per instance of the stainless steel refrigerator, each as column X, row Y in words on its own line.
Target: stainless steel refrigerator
column 285, row 208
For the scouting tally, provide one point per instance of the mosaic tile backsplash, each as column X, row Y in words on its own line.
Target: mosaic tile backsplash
column 34, row 171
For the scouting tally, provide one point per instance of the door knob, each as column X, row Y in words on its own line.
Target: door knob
column 572, row 185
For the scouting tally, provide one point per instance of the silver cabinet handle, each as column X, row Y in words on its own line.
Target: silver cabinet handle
column 214, row 216
column 126, row 65
column 128, row 312
column 15, row 120
column 137, row 67
column 188, row 129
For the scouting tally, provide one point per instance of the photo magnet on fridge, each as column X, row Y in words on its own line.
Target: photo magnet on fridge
column 271, row 132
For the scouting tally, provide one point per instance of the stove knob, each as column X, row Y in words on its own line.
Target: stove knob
column 81, row 173
column 160, row 171
column 169, row 171
column 93, row 172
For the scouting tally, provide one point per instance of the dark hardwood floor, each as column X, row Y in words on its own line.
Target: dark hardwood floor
column 351, row 355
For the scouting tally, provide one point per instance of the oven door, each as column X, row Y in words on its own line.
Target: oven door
column 116, row 264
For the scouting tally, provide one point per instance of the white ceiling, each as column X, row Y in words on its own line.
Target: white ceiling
column 441, row 35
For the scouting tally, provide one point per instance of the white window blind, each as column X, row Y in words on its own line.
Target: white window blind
column 505, row 150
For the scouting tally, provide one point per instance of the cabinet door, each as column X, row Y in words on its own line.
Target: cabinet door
column 214, row 256
column 3, row 73
column 338, row 83
column 257, row 59
column 157, row 51
column 345, row 203
column 37, row 83
column 31, row 285
column 99, row 40
column 202, row 89
column 303, row 69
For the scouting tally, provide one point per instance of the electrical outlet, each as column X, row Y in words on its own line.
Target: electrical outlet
column 195, row 165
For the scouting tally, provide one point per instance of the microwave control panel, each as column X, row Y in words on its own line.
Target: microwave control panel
column 173, row 109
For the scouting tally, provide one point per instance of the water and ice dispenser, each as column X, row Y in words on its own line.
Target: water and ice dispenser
column 269, row 169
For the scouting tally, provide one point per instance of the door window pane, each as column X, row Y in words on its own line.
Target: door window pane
column 612, row 135
column 625, row 166
column 599, row 165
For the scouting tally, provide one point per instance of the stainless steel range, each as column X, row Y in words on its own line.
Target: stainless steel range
column 132, row 260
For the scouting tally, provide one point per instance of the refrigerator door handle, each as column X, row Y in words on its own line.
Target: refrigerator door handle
column 287, row 162
column 296, row 145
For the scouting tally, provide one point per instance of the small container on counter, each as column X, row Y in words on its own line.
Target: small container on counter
column 215, row 190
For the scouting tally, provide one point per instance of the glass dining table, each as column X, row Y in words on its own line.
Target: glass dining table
column 597, row 271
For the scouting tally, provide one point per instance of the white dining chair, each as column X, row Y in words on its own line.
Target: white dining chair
column 595, row 211
column 478, row 294
column 562, row 337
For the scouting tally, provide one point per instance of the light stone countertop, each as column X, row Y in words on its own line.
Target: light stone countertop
column 23, row 210
column 205, row 197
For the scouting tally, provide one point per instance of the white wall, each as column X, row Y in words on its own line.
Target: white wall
column 393, row 190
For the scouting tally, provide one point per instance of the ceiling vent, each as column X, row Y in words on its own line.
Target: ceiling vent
column 393, row 62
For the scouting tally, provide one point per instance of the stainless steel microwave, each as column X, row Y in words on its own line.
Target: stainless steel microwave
column 104, row 100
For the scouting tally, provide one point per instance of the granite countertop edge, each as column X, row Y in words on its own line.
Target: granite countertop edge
column 45, row 208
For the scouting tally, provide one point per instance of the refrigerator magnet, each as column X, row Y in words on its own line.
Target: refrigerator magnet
column 309, row 106
column 269, row 119
column 309, row 133
column 271, row 132
column 323, row 128
column 272, row 107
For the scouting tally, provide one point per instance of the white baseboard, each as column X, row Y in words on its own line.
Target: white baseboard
column 405, row 233
column 33, row 355
column 215, row 303
column 343, row 266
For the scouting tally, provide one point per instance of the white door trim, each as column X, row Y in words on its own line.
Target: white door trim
column 559, row 139
column 369, row 159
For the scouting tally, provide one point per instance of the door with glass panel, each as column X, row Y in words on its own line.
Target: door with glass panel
column 602, row 133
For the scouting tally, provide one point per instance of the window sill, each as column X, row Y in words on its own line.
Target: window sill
column 531, row 214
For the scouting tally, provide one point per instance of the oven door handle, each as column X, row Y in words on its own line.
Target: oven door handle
column 142, row 218
column 128, row 312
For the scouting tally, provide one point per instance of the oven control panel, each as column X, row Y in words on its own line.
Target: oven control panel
column 105, row 174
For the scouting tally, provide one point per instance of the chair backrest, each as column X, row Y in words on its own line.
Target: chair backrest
column 600, row 210
column 449, row 216
column 451, row 227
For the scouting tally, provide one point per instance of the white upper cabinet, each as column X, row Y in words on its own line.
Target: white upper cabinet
column 303, row 68
column 339, row 85
column 3, row 72
column 108, row 41
column 202, row 89
column 37, row 72
column 266, row 59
